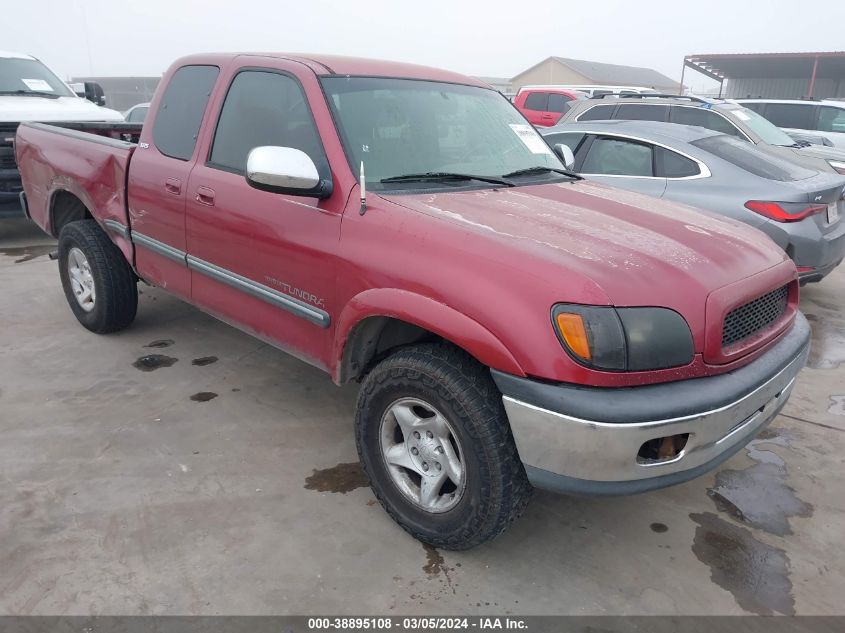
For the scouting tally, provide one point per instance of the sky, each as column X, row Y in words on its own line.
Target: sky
column 476, row 37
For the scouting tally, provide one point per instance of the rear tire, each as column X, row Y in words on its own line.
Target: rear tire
column 99, row 284
column 435, row 442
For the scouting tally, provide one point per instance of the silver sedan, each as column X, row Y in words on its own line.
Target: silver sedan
column 799, row 208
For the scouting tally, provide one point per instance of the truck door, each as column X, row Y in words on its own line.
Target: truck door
column 159, row 172
column 263, row 260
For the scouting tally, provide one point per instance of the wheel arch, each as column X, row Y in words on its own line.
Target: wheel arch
column 379, row 320
column 66, row 206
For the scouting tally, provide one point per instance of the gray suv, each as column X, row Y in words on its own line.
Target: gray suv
column 718, row 115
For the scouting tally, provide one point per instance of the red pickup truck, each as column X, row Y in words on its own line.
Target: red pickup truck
column 510, row 323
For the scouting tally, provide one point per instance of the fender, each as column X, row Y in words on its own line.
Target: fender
column 428, row 314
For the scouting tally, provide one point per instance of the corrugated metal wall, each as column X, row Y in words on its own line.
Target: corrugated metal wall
column 783, row 88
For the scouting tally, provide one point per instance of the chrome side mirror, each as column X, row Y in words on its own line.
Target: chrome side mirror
column 285, row 170
column 565, row 154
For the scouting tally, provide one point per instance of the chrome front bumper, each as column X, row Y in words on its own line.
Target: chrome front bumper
column 569, row 453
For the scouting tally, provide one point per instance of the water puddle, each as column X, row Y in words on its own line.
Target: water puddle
column 342, row 478
column 27, row 253
column 828, row 348
column 758, row 495
column 755, row 573
column 164, row 342
column 151, row 362
column 205, row 360
column 203, row 396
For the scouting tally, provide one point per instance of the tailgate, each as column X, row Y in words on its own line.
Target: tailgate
column 59, row 162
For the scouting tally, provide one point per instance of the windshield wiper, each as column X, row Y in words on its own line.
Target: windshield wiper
column 539, row 169
column 30, row 93
column 445, row 175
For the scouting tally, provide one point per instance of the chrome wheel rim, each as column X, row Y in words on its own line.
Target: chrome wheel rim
column 81, row 279
column 423, row 455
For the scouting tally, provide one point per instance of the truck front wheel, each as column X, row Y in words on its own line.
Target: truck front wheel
column 99, row 285
column 435, row 442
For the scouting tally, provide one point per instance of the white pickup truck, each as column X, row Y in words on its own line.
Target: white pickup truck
column 29, row 91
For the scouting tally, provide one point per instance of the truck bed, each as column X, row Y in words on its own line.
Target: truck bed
column 89, row 161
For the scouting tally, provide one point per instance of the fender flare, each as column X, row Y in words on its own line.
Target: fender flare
column 426, row 313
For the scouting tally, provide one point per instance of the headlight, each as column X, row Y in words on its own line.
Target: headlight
column 838, row 165
column 623, row 339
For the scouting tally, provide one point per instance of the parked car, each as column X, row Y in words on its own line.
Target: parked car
column 718, row 115
column 510, row 323
column 825, row 118
column 800, row 209
column 29, row 91
column 137, row 113
column 544, row 105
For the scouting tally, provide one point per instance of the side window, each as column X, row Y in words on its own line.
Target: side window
column 177, row 122
column 263, row 108
column 597, row 113
column 138, row 115
column 690, row 115
column 756, row 106
column 572, row 139
column 831, row 119
column 669, row 164
column 537, row 101
column 558, row 102
column 641, row 112
column 618, row 157
column 794, row 115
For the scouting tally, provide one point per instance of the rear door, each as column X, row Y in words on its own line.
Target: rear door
column 535, row 107
column 620, row 162
column 159, row 173
column 264, row 260
column 791, row 116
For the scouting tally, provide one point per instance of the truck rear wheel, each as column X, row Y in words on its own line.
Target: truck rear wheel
column 435, row 442
column 99, row 285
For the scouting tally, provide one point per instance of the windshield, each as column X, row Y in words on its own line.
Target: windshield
column 400, row 127
column 764, row 128
column 29, row 75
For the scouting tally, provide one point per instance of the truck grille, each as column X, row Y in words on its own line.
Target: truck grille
column 754, row 316
column 7, row 158
column 7, row 155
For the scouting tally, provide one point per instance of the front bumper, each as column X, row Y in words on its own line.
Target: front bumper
column 586, row 440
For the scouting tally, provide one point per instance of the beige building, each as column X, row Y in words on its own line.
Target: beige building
column 562, row 70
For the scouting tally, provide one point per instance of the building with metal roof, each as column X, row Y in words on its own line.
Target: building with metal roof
column 564, row 70
column 774, row 75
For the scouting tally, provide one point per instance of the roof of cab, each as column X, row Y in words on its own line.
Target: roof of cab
column 338, row 65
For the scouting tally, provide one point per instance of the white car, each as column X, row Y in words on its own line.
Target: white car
column 824, row 118
column 137, row 113
column 29, row 91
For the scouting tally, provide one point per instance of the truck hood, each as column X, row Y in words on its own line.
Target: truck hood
column 14, row 109
column 638, row 249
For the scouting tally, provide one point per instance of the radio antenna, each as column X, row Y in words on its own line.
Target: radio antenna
column 363, row 184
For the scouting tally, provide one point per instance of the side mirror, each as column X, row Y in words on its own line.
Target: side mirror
column 94, row 93
column 285, row 170
column 565, row 154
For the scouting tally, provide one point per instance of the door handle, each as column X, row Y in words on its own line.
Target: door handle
column 205, row 196
column 173, row 185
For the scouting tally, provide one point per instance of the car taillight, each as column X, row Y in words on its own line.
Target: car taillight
column 785, row 211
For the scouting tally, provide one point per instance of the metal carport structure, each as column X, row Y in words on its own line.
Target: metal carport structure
column 781, row 75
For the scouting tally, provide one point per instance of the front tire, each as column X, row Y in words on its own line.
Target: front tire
column 99, row 285
column 435, row 442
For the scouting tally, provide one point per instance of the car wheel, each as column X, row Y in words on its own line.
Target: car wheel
column 434, row 440
column 99, row 285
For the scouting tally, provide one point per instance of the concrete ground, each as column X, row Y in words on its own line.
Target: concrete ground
column 120, row 494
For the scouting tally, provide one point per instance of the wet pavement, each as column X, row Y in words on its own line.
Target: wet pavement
column 225, row 480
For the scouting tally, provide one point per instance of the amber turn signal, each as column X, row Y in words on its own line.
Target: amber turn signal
column 571, row 328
